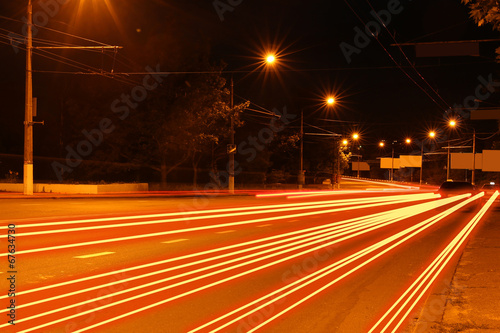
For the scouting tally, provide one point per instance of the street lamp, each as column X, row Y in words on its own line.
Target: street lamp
column 330, row 101
column 431, row 135
column 270, row 59
column 451, row 124
column 28, row 111
column 355, row 137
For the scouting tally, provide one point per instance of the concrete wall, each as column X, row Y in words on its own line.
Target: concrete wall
column 76, row 189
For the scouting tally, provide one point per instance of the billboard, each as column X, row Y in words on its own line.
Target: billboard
column 464, row 161
column 389, row 163
column 362, row 166
column 410, row 161
column 449, row 49
column 491, row 160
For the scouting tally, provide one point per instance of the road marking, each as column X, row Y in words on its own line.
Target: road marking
column 264, row 225
column 175, row 241
column 225, row 231
column 93, row 255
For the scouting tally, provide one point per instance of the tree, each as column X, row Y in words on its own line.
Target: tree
column 485, row 12
column 187, row 116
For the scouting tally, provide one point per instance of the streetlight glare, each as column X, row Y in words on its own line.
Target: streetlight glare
column 381, row 144
column 355, row 136
column 345, row 142
column 432, row 134
column 453, row 123
column 270, row 59
column 408, row 141
column 330, row 100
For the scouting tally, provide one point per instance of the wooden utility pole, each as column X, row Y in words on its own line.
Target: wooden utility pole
column 28, row 111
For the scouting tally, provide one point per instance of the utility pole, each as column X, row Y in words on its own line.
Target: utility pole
column 28, row 111
column 301, row 175
column 473, row 158
column 422, row 162
column 231, row 150
column 392, row 163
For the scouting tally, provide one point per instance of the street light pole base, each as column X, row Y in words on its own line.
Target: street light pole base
column 28, row 179
column 231, row 184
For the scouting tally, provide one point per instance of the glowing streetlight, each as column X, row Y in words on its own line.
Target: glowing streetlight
column 431, row 135
column 452, row 123
column 270, row 59
column 381, row 144
column 330, row 101
column 355, row 137
column 408, row 141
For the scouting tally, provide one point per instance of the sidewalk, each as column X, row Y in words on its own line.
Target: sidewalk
column 108, row 195
column 471, row 302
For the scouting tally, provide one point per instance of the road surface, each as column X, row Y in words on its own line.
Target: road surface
column 335, row 261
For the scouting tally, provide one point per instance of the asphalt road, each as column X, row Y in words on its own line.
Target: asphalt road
column 329, row 262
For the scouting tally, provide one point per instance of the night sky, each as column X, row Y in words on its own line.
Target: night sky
column 373, row 95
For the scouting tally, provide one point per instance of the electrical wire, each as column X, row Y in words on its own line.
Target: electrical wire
column 394, row 60
column 406, row 57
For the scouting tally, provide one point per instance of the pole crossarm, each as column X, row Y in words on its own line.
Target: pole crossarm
column 77, row 47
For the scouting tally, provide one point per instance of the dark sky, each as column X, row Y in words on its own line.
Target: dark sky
column 371, row 90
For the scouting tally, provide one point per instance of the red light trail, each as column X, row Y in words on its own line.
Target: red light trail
column 177, row 277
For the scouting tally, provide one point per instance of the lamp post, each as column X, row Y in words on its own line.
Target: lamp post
column 473, row 177
column 28, row 111
column 270, row 59
column 432, row 135
column 301, row 175
column 392, row 161
column 232, row 151
column 451, row 124
column 355, row 137
column 408, row 142
column 329, row 102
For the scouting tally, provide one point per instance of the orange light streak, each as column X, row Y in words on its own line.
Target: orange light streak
column 430, row 205
column 383, row 183
column 197, row 212
column 190, row 256
column 319, row 239
column 319, row 274
column 253, row 210
column 284, row 194
column 442, row 259
column 335, row 231
column 437, row 218
column 383, row 201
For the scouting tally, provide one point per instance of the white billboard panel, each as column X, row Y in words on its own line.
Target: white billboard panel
column 464, row 161
column 410, row 161
column 387, row 163
column 491, row 160
column 362, row 166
